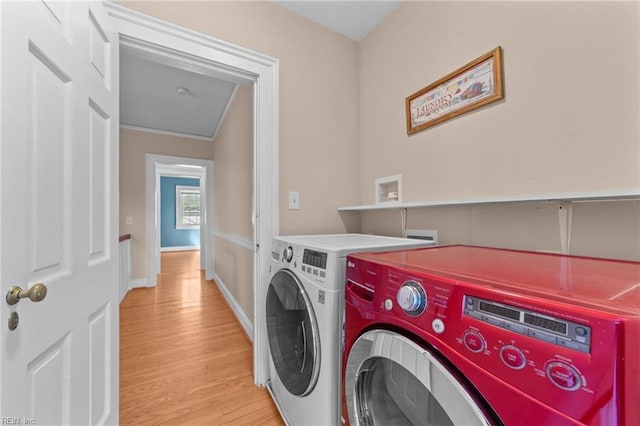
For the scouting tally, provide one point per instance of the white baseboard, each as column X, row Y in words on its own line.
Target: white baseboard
column 138, row 283
column 246, row 323
column 179, row 248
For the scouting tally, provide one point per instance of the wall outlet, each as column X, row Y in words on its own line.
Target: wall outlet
column 294, row 200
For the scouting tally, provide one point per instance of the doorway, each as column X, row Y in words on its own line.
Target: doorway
column 157, row 166
column 187, row 49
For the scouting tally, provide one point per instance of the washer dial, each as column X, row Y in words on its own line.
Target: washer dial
column 412, row 298
column 474, row 341
column 287, row 254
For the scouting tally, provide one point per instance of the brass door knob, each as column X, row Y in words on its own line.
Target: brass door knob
column 36, row 293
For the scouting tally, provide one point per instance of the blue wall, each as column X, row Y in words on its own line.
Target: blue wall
column 169, row 235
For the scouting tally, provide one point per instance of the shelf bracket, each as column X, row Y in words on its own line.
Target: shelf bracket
column 565, row 223
column 403, row 222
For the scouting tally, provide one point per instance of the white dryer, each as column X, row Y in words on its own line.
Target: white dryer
column 304, row 314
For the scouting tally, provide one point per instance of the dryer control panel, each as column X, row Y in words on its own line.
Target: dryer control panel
column 528, row 323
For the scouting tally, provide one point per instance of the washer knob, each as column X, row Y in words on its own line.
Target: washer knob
column 513, row 357
column 473, row 341
column 287, row 254
column 563, row 375
column 412, row 298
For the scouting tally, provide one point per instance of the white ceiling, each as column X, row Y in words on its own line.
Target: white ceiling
column 150, row 98
column 354, row 19
column 149, row 91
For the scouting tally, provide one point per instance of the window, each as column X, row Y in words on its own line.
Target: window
column 187, row 207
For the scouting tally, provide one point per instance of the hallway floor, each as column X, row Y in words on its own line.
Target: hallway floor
column 184, row 359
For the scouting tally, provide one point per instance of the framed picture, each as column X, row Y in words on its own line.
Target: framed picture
column 469, row 87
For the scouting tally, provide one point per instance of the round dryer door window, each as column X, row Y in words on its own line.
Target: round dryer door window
column 293, row 334
column 390, row 380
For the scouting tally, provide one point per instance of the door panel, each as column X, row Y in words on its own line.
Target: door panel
column 100, row 157
column 100, row 347
column 58, row 217
column 48, row 388
column 49, row 99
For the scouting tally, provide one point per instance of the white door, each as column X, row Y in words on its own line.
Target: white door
column 58, row 212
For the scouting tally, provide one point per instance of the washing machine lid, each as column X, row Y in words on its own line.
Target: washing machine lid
column 343, row 244
column 389, row 379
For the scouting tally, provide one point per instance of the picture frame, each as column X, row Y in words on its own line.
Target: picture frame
column 471, row 86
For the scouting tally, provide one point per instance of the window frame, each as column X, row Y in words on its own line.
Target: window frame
column 179, row 206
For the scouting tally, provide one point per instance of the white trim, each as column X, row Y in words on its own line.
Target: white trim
column 166, row 132
column 179, row 248
column 188, row 171
column 155, row 166
column 138, row 283
column 171, row 44
column 125, row 268
column 235, row 239
column 241, row 316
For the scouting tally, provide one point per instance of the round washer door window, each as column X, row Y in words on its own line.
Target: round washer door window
column 293, row 333
column 390, row 380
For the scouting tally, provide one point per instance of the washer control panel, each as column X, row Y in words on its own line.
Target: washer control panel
column 547, row 328
column 312, row 263
column 501, row 336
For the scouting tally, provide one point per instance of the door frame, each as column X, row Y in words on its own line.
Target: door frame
column 162, row 165
column 184, row 48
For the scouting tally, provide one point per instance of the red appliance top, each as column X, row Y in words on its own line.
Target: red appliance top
column 608, row 285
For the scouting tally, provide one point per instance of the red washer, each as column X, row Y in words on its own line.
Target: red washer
column 472, row 335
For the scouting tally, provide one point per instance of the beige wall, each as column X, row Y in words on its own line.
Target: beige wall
column 563, row 126
column 603, row 229
column 232, row 200
column 569, row 119
column 319, row 130
column 134, row 144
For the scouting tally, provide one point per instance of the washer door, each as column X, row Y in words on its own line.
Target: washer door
column 390, row 380
column 293, row 333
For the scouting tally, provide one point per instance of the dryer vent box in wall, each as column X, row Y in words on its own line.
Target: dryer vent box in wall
column 423, row 234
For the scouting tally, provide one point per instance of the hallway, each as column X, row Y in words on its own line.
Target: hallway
column 184, row 359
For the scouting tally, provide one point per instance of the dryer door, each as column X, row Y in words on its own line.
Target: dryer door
column 293, row 333
column 390, row 380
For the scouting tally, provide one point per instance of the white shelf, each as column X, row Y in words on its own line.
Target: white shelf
column 632, row 194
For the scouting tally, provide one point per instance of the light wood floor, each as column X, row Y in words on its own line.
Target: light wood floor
column 183, row 357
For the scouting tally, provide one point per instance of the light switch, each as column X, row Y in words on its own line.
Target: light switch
column 129, row 220
column 294, row 200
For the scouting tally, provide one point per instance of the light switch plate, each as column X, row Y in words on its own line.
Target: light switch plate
column 294, row 200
